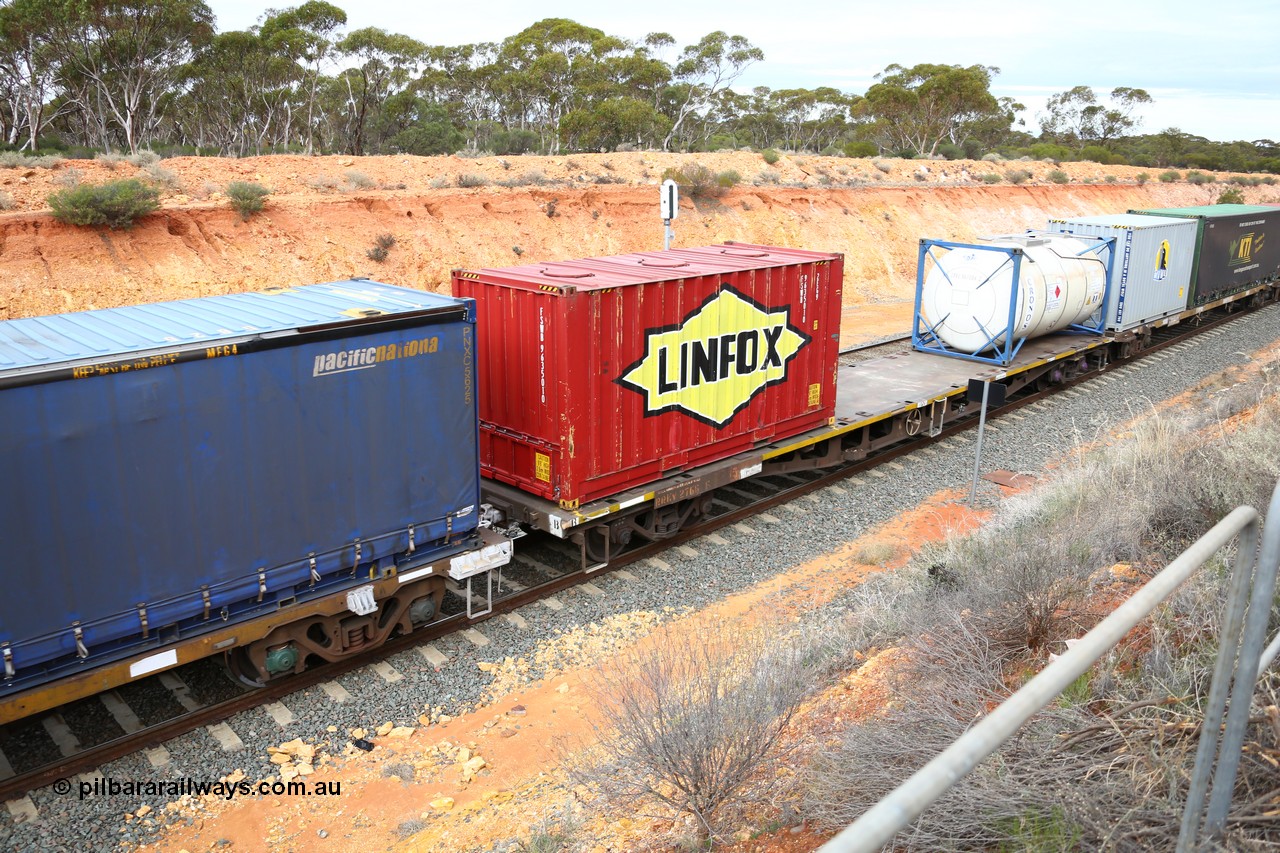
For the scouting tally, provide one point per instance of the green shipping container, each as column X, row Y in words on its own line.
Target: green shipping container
column 1237, row 247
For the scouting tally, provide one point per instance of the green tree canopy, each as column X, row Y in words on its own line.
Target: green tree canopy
column 918, row 108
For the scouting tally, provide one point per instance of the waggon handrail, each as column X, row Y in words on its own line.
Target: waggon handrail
column 1254, row 572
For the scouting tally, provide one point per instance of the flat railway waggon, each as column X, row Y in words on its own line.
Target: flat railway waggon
column 289, row 477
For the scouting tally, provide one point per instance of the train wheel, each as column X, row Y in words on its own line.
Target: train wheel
column 240, row 667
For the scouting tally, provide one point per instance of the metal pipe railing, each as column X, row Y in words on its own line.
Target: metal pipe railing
column 908, row 801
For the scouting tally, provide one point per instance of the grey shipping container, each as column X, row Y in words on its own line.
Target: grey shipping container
column 1238, row 247
column 1154, row 262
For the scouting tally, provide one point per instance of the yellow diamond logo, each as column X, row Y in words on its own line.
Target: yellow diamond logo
column 712, row 364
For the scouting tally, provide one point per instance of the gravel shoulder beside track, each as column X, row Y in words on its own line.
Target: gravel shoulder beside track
column 805, row 530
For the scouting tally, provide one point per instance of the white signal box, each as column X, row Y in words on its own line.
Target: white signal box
column 670, row 199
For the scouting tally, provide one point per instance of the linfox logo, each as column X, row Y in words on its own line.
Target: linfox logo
column 712, row 364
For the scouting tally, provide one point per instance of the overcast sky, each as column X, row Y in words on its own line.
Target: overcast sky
column 1213, row 68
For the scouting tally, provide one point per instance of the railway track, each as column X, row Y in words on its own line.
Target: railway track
column 40, row 750
column 874, row 349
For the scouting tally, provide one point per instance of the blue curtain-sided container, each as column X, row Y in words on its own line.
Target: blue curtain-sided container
column 181, row 464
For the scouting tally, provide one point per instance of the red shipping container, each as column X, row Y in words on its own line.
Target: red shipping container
column 603, row 374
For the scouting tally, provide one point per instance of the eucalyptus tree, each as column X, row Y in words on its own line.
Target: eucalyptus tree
column 548, row 69
column 916, row 109
column 1077, row 117
column 388, row 63
column 459, row 79
column 119, row 58
column 306, row 34
column 703, row 71
column 28, row 71
column 242, row 90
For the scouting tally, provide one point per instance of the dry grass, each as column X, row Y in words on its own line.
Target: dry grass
column 1106, row 767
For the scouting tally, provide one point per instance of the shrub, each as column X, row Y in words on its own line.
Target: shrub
column 1142, row 178
column 991, row 178
column 1051, row 152
column 377, row 253
column 358, row 180
column 6, row 201
column 1058, row 176
column 401, row 770
column 110, row 159
column 690, row 717
column 515, row 142
column 1111, row 179
column 471, row 181
column 323, row 183
column 431, row 134
column 993, row 157
column 162, row 176
column 1061, row 783
column 700, row 182
column 555, row 833
column 246, row 198
column 1269, row 180
column 860, row 149
column 1170, row 176
column 143, row 158
column 728, row 179
column 385, row 241
column 534, row 177
column 1231, row 195
column 1198, row 178
column 117, row 204
column 1017, row 176
column 883, row 166
column 875, row 553
column 17, row 160
column 771, row 155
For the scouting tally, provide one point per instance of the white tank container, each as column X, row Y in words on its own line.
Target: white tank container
column 965, row 297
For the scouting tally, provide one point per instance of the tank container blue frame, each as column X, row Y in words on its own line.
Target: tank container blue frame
column 924, row 336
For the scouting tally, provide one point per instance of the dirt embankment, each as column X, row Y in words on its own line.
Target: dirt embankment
column 325, row 213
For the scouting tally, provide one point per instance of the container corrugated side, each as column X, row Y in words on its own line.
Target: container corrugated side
column 207, row 482
column 1238, row 247
column 602, row 374
column 1151, row 273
